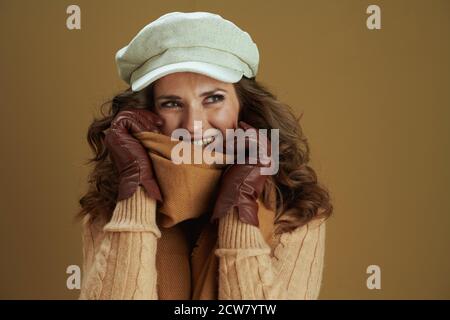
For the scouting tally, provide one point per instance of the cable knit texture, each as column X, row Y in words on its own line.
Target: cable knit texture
column 119, row 257
column 251, row 269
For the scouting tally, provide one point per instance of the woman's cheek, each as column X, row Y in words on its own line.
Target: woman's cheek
column 225, row 118
column 170, row 123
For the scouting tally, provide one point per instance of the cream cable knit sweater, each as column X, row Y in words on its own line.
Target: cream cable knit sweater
column 119, row 258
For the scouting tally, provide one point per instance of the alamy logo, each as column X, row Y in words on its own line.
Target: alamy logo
column 374, row 279
column 373, row 21
column 74, row 279
column 240, row 146
column 73, row 22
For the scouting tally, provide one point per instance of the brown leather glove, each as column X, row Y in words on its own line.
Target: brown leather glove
column 129, row 155
column 240, row 187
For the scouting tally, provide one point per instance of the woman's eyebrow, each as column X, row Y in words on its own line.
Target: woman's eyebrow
column 207, row 93
column 168, row 97
column 174, row 97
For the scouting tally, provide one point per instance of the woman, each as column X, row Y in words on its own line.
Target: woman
column 157, row 230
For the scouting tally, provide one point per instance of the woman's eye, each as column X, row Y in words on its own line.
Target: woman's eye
column 176, row 104
column 170, row 104
column 216, row 98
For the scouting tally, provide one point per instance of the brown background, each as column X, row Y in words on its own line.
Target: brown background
column 377, row 117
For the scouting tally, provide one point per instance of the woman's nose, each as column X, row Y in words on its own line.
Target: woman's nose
column 194, row 120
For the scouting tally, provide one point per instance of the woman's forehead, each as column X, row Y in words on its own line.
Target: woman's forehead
column 190, row 81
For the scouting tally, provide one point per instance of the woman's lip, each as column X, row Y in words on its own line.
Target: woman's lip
column 204, row 141
column 196, row 139
column 203, row 138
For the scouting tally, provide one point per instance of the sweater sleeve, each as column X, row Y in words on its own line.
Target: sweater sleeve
column 119, row 258
column 249, row 269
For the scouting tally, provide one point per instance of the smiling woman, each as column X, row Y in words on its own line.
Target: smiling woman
column 157, row 230
column 184, row 98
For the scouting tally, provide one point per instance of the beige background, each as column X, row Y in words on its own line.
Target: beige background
column 377, row 115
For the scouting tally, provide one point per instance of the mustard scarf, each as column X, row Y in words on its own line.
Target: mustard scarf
column 185, row 260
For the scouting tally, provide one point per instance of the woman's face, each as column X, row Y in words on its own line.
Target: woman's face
column 184, row 97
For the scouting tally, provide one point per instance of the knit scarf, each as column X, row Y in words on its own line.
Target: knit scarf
column 185, row 260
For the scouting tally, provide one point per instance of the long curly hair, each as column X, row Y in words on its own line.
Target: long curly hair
column 299, row 197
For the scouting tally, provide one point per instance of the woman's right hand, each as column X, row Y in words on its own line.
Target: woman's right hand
column 129, row 155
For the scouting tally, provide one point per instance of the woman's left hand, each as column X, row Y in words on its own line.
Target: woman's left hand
column 242, row 184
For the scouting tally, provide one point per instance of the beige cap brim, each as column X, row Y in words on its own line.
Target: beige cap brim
column 211, row 70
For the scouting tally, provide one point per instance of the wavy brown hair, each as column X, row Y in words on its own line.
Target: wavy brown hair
column 299, row 197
